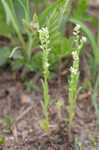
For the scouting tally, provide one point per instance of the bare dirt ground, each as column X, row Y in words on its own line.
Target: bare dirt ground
column 25, row 109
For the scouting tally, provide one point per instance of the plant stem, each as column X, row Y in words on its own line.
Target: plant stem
column 30, row 47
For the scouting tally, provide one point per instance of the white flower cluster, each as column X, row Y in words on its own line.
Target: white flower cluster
column 76, row 29
column 73, row 70
column 77, row 37
column 76, row 59
column 44, row 37
column 44, row 31
column 75, row 55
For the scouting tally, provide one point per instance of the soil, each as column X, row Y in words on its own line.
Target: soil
column 25, row 110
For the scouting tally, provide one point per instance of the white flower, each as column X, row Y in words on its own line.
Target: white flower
column 73, row 70
column 76, row 29
column 84, row 38
column 43, row 31
column 46, row 64
column 79, row 47
column 39, row 30
column 44, row 34
column 41, row 47
column 44, row 37
column 74, row 53
column 78, row 26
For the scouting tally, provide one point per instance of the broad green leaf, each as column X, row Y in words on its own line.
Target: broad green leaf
column 4, row 55
column 5, row 29
column 44, row 124
column 11, row 17
column 46, row 12
column 8, row 122
column 2, row 140
column 17, row 64
column 20, row 14
column 66, row 46
column 14, row 53
column 36, row 87
column 2, row 13
column 31, row 85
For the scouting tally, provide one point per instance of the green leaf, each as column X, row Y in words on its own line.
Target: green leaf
column 11, row 17
column 46, row 13
column 31, row 85
column 44, row 124
column 53, row 101
column 4, row 55
column 79, row 11
column 2, row 13
column 36, row 62
column 82, row 17
column 27, row 26
column 51, row 75
column 66, row 46
column 2, row 140
column 17, row 64
column 8, row 122
column 5, row 29
column 65, row 9
column 44, row 109
column 15, row 53
column 36, row 87
column 20, row 14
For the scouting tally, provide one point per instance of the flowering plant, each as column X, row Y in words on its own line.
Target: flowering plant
column 44, row 37
column 73, row 83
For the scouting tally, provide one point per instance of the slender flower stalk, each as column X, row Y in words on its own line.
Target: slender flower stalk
column 44, row 37
column 74, row 78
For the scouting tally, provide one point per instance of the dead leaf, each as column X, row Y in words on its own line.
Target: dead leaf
column 84, row 96
column 50, row 148
column 25, row 99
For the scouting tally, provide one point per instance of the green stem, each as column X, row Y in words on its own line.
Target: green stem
column 30, row 47
column 27, row 11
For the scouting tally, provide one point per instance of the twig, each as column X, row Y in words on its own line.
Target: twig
column 24, row 113
column 37, row 76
